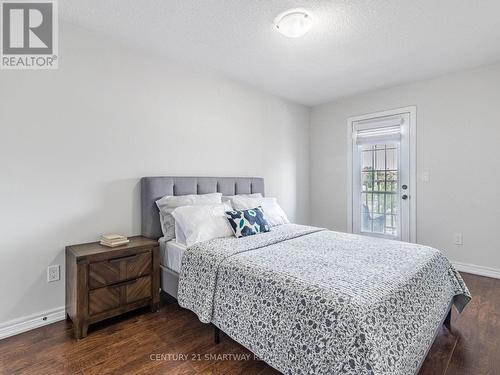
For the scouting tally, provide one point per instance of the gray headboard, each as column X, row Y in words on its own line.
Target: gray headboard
column 153, row 188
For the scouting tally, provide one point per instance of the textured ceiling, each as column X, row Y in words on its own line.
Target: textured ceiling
column 354, row 45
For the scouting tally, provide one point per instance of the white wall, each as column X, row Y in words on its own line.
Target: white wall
column 458, row 142
column 74, row 143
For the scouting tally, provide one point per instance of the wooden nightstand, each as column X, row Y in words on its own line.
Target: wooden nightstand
column 102, row 282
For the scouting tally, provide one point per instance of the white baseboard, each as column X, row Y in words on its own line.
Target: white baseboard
column 27, row 323
column 477, row 270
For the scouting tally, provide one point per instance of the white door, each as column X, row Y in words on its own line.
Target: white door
column 382, row 191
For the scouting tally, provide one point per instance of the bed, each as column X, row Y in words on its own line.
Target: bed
column 153, row 188
column 308, row 300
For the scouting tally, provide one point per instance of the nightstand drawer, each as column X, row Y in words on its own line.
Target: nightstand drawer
column 115, row 270
column 137, row 290
column 114, row 296
column 104, row 299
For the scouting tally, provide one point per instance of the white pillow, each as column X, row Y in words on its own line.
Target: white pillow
column 228, row 198
column 241, row 202
column 274, row 214
column 169, row 203
column 203, row 222
column 180, row 237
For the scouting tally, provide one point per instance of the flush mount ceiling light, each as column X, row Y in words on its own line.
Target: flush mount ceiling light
column 293, row 23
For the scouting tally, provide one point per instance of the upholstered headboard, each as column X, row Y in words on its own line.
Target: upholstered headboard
column 153, row 188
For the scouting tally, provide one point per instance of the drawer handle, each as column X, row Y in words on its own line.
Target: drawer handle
column 114, row 260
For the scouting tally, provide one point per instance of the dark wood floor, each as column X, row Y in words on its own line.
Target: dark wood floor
column 130, row 345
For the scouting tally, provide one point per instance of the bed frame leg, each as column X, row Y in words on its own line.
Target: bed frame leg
column 216, row 335
column 447, row 321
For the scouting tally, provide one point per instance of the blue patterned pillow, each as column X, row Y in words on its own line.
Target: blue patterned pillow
column 247, row 222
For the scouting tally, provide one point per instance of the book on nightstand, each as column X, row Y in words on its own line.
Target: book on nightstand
column 112, row 240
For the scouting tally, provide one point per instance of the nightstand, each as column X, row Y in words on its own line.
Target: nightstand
column 102, row 282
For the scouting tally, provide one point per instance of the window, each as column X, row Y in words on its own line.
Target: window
column 379, row 188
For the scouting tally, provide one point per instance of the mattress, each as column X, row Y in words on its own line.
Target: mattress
column 171, row 253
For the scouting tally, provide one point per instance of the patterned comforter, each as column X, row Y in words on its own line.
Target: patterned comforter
column 313, row 301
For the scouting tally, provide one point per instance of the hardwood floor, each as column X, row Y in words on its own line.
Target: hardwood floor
column 141, row 344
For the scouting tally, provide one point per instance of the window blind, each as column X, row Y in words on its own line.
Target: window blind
column 377, row 132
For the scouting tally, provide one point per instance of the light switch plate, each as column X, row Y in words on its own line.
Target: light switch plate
column 458, row 239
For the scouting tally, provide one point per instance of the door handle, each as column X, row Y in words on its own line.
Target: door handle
column 404, row 197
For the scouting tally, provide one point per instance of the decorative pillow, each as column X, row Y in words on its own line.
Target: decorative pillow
column 169, row 203
column 247, row 222
column 274, row 213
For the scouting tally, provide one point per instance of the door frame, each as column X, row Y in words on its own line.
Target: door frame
column 412, row 111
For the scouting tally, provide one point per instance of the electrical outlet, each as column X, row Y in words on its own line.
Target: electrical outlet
column 53, row 273
column 458, row 239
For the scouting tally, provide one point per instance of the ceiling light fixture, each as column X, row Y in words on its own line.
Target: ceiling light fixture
column 293, row 23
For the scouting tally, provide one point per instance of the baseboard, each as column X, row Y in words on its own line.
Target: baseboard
column 27, row 323
column 477, row 270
